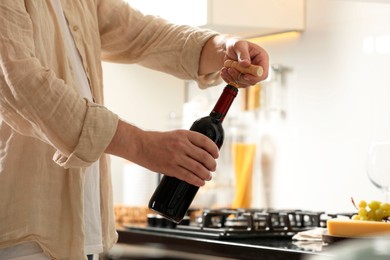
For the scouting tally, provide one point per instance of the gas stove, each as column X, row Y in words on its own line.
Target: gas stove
column 230, row 224
column 232, row 233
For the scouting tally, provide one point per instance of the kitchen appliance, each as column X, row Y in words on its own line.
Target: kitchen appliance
column 230, row 223
column 232, row 233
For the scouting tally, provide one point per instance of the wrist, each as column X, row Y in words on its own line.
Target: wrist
column 126, row 141
column 212, row 55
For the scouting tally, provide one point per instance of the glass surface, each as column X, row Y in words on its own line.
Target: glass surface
column 378, row 168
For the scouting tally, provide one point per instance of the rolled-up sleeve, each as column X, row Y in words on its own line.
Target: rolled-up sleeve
column 91, row 141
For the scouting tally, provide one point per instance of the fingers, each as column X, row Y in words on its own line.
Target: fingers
column 193, row 172
column 242, row 80
column 201, row 155
column 246, row 53
column 203, row 142
column 186, row 155
column 260, row 57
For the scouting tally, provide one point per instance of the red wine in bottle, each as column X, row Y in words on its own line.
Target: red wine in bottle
column 173, row 197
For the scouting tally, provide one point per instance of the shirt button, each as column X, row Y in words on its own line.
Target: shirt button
column 75, row 28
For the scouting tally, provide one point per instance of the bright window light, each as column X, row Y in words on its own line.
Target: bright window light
column 176, row 11
column 379, row 44
column 369, row 45
column 382, row 44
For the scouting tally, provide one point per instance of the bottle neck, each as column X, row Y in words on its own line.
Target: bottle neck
column 224, row 102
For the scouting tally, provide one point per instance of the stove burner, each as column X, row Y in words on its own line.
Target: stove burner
column 251, row 219
column 245, row 223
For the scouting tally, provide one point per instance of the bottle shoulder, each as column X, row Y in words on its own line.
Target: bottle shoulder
column 208, row 120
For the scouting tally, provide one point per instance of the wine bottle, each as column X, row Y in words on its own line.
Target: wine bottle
column 173, row 197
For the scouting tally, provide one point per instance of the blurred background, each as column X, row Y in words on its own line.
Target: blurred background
column 311, row 122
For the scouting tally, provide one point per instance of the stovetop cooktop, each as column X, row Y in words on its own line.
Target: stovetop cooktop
column 229, row 224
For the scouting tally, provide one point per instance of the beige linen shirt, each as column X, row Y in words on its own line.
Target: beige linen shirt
column 48, row 132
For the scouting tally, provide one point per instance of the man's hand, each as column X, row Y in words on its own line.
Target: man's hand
column 246, row 53
column 184, row 154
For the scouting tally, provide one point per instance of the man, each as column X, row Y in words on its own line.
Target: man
column 55, row 133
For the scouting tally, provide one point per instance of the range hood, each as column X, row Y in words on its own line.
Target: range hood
column 253, row 18
column 247, row 18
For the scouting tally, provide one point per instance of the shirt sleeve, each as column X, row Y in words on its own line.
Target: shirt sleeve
column 128, row 36
column 36, row 103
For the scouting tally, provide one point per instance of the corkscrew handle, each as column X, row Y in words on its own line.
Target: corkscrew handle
column 252, row 69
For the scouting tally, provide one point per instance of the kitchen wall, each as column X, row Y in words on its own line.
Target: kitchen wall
column 147, row 99
column 336, row 101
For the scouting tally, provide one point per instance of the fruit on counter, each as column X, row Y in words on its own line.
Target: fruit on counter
column 372, row 211
column 356, row 228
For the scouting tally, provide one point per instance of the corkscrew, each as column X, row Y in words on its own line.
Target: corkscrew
column 254, row 70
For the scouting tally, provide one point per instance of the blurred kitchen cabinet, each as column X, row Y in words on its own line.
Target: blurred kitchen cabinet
column 252, row 18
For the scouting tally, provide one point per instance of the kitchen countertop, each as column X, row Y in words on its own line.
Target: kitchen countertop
column 252, row 248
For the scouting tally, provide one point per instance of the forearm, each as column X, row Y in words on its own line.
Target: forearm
column 125, row 141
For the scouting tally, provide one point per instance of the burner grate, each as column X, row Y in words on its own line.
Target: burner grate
column 260, row 220
column 247, row 223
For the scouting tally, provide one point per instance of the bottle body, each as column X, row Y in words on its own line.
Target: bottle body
column 173, row 197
